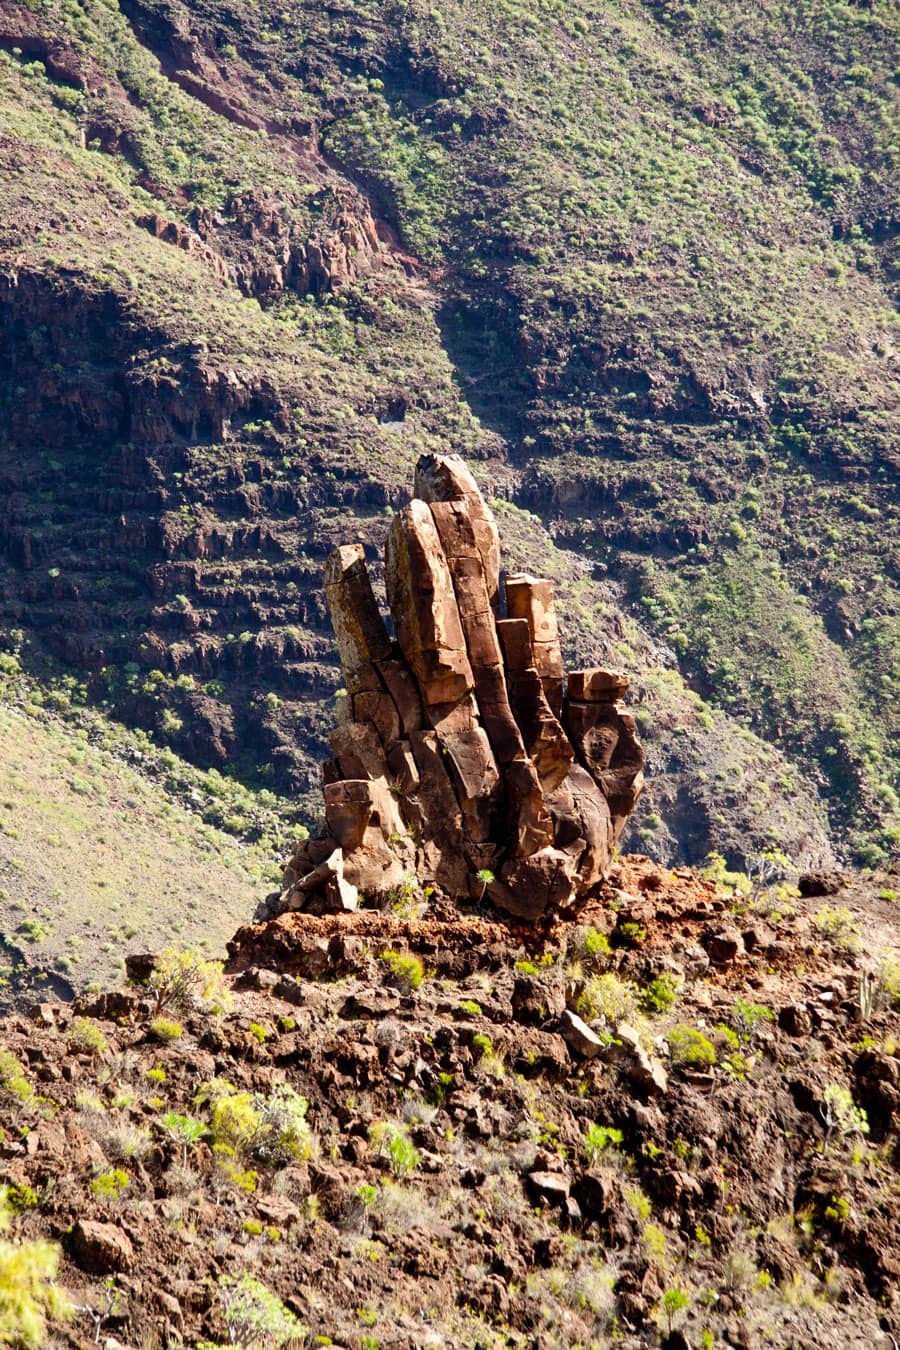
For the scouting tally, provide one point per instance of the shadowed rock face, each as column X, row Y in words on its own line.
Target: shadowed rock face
column 462, row 747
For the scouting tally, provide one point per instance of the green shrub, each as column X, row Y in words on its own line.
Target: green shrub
column 606, row 997
column 406, row 970
column 284, row 1134
column 254, row 1318
column 273, row 1129
column 840, row 1113
column 689, row 1046
column 589, row 947
column 12, row 1078
column 111, row 1185
column 658, row 995
column 889, row 975
column 28, row 1292
column 164, row 1029
column 839, row 924
column 86, row 1036
column 187, row 981
column 20, row 1196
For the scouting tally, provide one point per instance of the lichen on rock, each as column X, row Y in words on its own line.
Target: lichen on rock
column 464, row 755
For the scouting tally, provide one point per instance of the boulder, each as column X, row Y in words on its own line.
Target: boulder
column 456, row 759
column 101, row 1248
column 578, row 1036
column 553, row 1187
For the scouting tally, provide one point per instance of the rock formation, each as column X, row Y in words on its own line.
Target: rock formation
column 463, row 757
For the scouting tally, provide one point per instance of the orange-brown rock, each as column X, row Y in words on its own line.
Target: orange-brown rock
column 531, row 598
column 423, row 606
column 545, row 740
column 457, row 762
column 446, row 478
column 596, row 685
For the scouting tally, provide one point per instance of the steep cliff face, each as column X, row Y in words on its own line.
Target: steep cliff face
column 254, row 264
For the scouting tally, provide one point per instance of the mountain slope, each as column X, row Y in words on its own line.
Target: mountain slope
column 98, row 853
column 637, row 259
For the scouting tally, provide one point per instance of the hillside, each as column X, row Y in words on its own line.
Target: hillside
column 104, row 847
column 636, row 261
column 672, row 1124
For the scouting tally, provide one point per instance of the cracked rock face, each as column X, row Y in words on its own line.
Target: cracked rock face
column 463, row 748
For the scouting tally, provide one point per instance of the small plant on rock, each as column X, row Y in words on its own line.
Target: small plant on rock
column 184, row 1130
column 86, row 1036
column 111, row 1185
column 690, row 1047
column 390, row 1139
column 674, row 1301
column 406, row 970
column 486, row 877
column 598, row 1138
column 748, row 1016
column 13, row 1082
column 589, row 949
column 841, row 1115
column 165, row 1029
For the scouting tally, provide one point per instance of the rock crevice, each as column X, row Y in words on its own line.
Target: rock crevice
column 464, row 757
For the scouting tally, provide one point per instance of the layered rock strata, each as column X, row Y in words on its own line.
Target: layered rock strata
column 464, row 759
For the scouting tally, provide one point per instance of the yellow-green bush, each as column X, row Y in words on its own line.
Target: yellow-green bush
column 12, row 1078
column 187, row 981
column 272, row 1129
column 28, row 1294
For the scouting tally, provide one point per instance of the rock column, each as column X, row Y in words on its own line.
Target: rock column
column 456, row 751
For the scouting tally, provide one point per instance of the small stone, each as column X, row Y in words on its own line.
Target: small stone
column 723, row 944
column 371, row 1003
column 758, row 938
column 535, row 1000
column 643, row 1069
column 313, row 958
column 265, row 979
column 42, row 1014
column 101, row 1248
column 821, row 883
column 597, row 685
column 595, row 1192
column 139, row 966
column 796, row 1020
column 578, row 1035
column 278, row 1210
column 553, row 1187
column 169, row 1304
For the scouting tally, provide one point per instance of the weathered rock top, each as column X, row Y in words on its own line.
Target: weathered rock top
column 465, row 759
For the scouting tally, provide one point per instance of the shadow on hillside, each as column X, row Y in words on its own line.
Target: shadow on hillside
column 480, row 337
